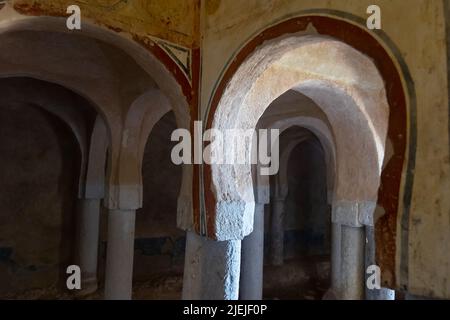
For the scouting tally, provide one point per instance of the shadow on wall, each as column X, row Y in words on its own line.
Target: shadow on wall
column 305, row 273
column 308, row 215
column 38, row 186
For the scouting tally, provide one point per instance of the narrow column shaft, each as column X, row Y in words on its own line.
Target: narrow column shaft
column 277, row 232
column 211, row 269
column 251, row 283
column 335, row 257
column 88, row 234
column 119, row 255
column 352, row 263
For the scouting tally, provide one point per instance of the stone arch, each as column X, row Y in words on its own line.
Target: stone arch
column 398, row 173
column 325, row 138
column 102, row 85
column 290, row 110
column 285, row 154
column 295, row 109
column 60, row 102
column 143, row 114
column 176, row 89
column 317, row 127
column 306, row 63
column 95, row 174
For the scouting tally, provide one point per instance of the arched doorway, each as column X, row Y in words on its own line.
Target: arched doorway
column 295, row 203
column 298, row 223
column 159, row 244
column 265, row 68
column 125, row 83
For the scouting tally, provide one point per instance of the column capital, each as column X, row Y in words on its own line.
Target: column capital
column 353, row 213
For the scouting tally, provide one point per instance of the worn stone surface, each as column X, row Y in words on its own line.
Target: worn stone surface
column 211, row 269
column 252, row 259
column 119, row 255
column 352, row 263
column 361, row 101
column 293, row 111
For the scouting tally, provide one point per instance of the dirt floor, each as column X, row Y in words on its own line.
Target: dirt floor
column 297, row 279
column 162, row 287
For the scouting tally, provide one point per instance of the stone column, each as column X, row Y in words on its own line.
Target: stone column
column 119, row 254
column 335, row 258
column 252, row 259
column 211, row 268
column 352, row 216
column 277, row 232
column 352, row 263
column 88, row 235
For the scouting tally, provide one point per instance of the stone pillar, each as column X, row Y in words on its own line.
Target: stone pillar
column 211, row 268
column 335, row 258
column 352, row 216
column 88, row 235
column 277, row 232
column 252, row 255
column 352, row 263
column 119, row 254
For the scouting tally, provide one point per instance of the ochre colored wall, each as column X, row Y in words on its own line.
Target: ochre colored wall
column 172, row 20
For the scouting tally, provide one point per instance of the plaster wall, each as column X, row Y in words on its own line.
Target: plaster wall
column 172, row 20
